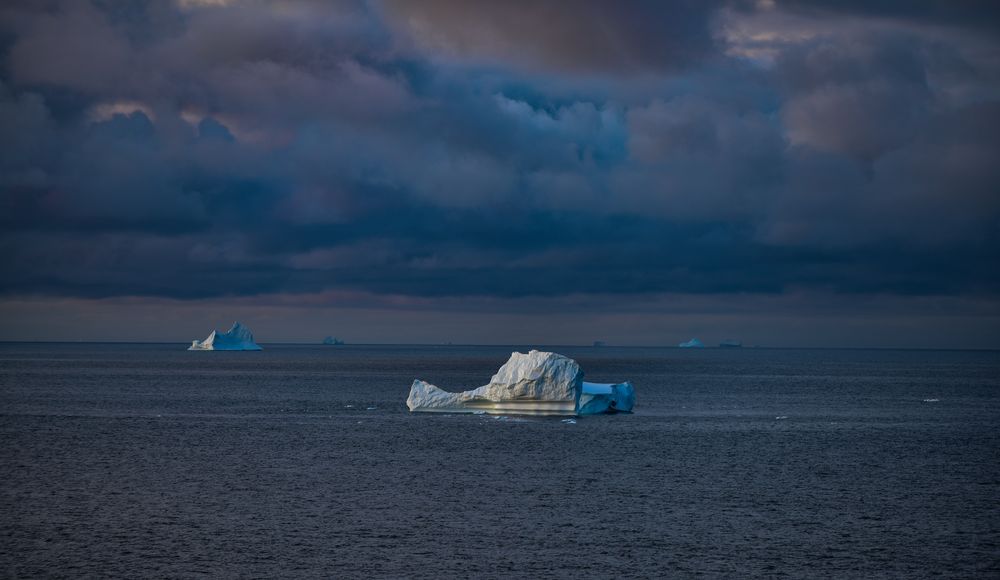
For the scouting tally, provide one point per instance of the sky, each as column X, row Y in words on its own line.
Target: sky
column 803, row 173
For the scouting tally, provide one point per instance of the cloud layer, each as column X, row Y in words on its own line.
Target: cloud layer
column 192, row 150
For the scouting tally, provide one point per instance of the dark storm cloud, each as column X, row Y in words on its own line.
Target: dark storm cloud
column 192, row 149
column 590, row 36
column 977, row 14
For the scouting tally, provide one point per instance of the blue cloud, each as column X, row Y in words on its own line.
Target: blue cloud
column 245, row 150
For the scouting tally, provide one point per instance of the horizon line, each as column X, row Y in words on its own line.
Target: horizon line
column 545, row 345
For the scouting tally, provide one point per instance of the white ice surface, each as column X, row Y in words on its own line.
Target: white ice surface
column 537, row 383
column 238, row 337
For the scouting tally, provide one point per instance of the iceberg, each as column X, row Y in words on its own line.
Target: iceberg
column 536, row 383
column 693, row 343
column 730, row 343
column 238, row 337
column 333, row 341
column 598, row 398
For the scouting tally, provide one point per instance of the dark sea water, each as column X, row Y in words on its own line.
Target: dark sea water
column 302, row 461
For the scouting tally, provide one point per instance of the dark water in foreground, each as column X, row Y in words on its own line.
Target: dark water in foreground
column 150, row 461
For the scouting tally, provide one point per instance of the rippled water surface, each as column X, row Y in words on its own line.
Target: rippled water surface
column 302, row 461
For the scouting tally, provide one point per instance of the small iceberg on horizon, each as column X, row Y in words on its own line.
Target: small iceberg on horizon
column 537, row 383
column 730, row 343
column 693, row 343
column 332, row 341
column 238, row 337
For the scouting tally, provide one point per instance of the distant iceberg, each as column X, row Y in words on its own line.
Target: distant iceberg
column 537, row 383
column 730, row 343
column 239, row 337
column 693, row 343
column 333, row 340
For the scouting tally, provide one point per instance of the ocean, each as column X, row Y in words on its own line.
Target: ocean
column 137, row 461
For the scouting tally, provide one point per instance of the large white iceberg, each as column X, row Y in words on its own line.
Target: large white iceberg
column 537, row 383
column 693, row 343
column 238, row 337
